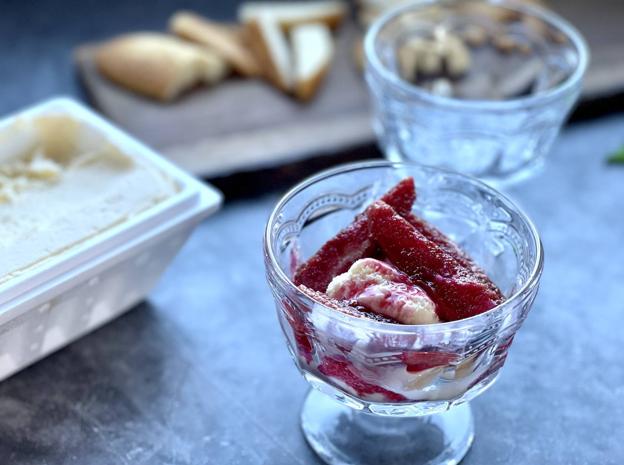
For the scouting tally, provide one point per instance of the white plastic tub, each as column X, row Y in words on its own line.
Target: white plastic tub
column 44, row 309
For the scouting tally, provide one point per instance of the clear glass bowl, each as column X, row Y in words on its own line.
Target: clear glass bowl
column 500, row 141
column 390, row 370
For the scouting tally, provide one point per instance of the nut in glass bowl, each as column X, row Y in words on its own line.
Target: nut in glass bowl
column 477, row 86
column 393, row 370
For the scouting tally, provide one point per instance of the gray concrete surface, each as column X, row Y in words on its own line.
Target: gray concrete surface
column 201, row 375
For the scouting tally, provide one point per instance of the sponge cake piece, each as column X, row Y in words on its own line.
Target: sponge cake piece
column 271, row 49
column 313, row 50
column 216, row 37
column 290, row 14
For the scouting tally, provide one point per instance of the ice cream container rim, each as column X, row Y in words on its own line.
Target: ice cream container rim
column 40, row 295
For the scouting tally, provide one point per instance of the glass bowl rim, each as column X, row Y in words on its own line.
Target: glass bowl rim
column 539, row 98
column 524, row 290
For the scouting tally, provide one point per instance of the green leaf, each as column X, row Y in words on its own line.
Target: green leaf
column 617, row 156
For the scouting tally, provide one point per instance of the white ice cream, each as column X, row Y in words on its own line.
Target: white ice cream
column 62, row 182
column 384, row 290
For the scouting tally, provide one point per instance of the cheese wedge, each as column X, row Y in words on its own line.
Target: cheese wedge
column 271, row 49
column 313, row 50
column 290, row 14
column 217, row 37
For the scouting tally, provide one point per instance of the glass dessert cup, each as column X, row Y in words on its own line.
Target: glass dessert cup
column 500, row 135
column 390, row 392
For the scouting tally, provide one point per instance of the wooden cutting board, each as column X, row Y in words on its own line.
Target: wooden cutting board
column 243, row 125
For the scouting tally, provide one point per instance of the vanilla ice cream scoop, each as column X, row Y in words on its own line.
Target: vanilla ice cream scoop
column 385, row 290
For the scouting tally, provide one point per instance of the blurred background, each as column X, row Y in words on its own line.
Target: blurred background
column 39, row 45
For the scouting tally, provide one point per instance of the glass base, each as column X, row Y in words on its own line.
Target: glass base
column 341, row 435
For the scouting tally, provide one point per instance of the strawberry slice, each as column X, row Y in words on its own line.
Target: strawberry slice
column 352, row 243
column 336, row 256
column 458, row 292
column 402, row 196
column 337, row 367
column 419, row 361
column 301, row 331
column 437, row 237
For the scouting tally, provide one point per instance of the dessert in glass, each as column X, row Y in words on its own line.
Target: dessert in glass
column 399, row 289
column 481, row 87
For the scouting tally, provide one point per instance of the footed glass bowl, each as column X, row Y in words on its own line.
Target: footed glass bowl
column 390, row 393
